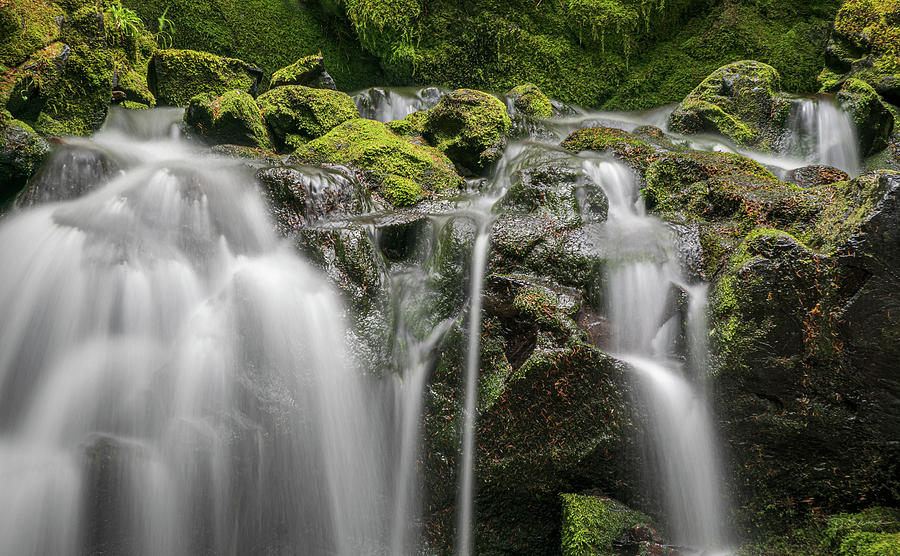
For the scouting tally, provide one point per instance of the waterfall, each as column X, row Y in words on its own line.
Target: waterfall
column 171, row 377
column 644, row 287
column 824, row 134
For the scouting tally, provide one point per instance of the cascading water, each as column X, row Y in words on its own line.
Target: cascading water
column 643, row 285
column 824, row 134
column 171, row 378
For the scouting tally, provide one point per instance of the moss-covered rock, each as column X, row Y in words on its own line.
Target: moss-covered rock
column 295, row 114
column 741, row 101
column 411, row 127
column 632, row 150
column 22, row 151
column 865, row 45
column 529, row 100
column 26, row 27
column 176, row 76
column 591, row 524
column 470, row 127
column 874, row 121
column 874, row 531
column 401, row 171
column 233, row 118
column 308, row 71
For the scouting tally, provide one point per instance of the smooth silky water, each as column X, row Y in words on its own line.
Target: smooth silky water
column 172, row 378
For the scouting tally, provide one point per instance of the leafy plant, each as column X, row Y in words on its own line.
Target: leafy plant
column 122, row 23
column 165, row 30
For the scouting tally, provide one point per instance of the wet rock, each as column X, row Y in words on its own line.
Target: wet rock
column 874, row 121
column 233, row 118
column 69, row 173
column 302, row 196
column 308, row 71
column 814, row 176
column 470, row 127
column 401, row 172
column 22, row 151
column 176, row 76
column 296, row 114
column 740, row 101
column 635, row 152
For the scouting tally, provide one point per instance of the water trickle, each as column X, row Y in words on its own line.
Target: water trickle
column 171, row 378
column 644, row 291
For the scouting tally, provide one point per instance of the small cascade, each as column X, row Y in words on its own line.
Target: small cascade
column 386, row 105
column 171, row 377
column 644, row 288
column 823, row 133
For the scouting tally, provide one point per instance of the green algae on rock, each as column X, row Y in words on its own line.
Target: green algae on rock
column 470, row 127
column 233, row 118
column 529, row 100
column 403, row 171
column 176, row 76
column 308, row 71
column 741, row 101
column 295, row 114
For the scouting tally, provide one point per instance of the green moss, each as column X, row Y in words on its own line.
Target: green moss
column 233, row 118
column 271, row 34
column 22, row 151
column 371, row 146
column 529, row 100
column 538, row 304
column 176, row 76
column 875, row 531
column 308, row 70
column 304, row 112
column 470, row 127
column 410, row 127
column 401, row 191
column 591, row 524
column 600, row 139
column 25, row 27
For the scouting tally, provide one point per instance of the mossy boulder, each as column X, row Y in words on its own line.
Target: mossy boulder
column 402, row 172
column 865, row 45
column 411, row 127
column 874, row 121
column 176, row 76
column 26, row 27
column 634, row 151
column 308, row 71
column 296, row 114
column 529, row 100
column 233, row 118
column 22, row 151
column 740, row 101
column 593, row 524
column 470, row 127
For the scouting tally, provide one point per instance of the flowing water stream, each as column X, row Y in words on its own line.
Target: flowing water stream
column 173, row 377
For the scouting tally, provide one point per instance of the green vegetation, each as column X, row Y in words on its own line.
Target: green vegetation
column 470, row 127
column 295, row 114
column 309, row 71
column 591, row 524
column 176, row 76
column 872, row 532
column 233, row 118
column 529, row 100
column 402, row 171
column 22, row 151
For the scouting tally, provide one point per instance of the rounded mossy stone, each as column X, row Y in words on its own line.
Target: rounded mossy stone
column 176, row 76
column 470, row 127
column 233, row 118
column 391, row 161
column 740, row 101
column 601, row 139
column 529, row 100
column 865, row 44
column 410, row 127
column 22, row 151
column 295, row 113
column 25, row 27
column 308, row 71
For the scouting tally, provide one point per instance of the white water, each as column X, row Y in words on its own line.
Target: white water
column 824, row 134
column 171, row 377
column 642, row 287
